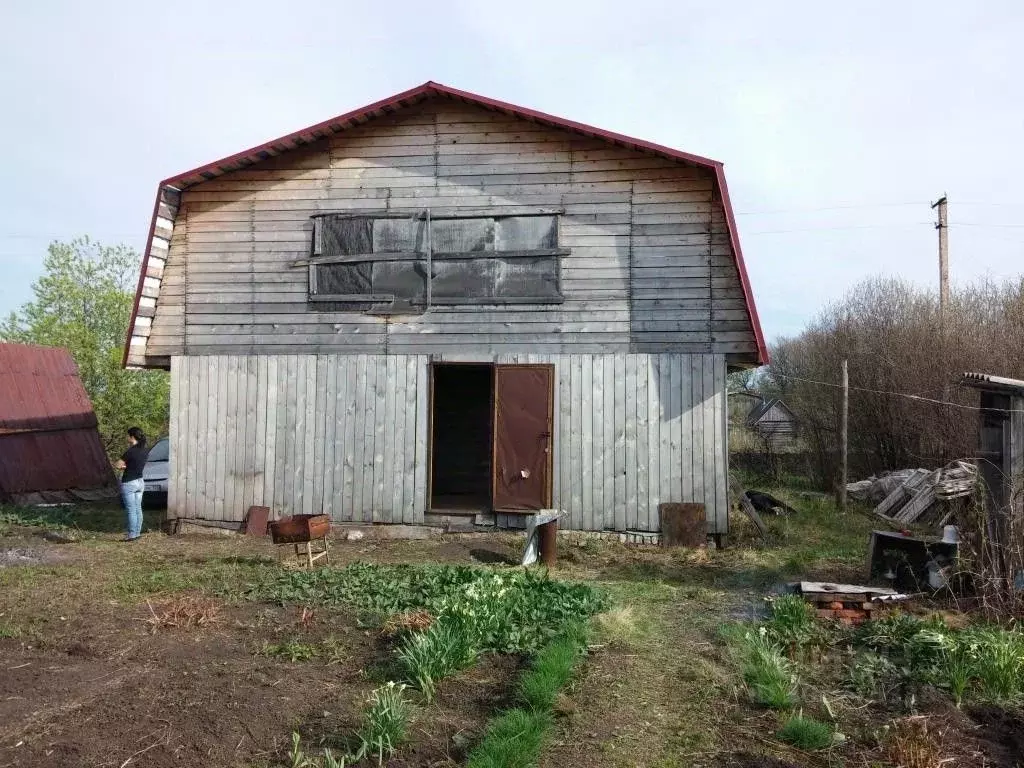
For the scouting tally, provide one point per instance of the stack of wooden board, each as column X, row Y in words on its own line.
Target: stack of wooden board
column 919, row 497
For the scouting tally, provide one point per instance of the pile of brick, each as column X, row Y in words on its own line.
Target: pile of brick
column 849, row 603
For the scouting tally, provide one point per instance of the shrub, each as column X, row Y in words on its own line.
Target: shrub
column 807, row 733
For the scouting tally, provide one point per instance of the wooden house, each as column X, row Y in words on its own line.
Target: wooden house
column 773, row 421
column 441, row 303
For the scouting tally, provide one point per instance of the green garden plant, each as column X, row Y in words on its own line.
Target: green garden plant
column 807, row 733
column 769, row 675
column 447, row 646
column 385, row 723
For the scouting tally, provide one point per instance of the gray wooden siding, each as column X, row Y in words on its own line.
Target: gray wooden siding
column 348, row 434
column 651, row 268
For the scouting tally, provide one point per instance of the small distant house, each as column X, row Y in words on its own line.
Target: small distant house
column 50, row 450
column 773, row 421
column 445, row 304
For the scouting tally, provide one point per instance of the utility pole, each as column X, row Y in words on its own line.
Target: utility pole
column 943, row 226
column 844, row 418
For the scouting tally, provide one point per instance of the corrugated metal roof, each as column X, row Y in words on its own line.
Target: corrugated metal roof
column 416, row 95
column 994, row 383
column 48, row 437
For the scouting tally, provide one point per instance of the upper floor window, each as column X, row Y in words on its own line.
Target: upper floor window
column 383, row 261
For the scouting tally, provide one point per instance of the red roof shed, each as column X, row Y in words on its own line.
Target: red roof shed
column 50, row 450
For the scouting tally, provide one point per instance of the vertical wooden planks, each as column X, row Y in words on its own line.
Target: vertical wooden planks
column 330, row 421
column 420, row 500
column 259, row 443
column 173, row 434
column 630, row 438
column 319, row 433
column 380, row 419
column 608, row 423
column 386, row 453
column 270, row 456
column 620, row 443
column 407, row 514
column 353, row 435
column 597, row 442
column 575, row 443
column 369, row 399
column 721, row 448
column 308, row 434
column 216, row 445
column 653, row 442
column 227, row 444
column 710, row 436
column 563, row 369
column 587, row 398
column 248, row 481
column 336, row 430
column 208, row 447
column 697, row 427
column 397, row 465
column 676, row 436
column 196, row 409
column 642, row 470
column 686, row 420
column 286, row 426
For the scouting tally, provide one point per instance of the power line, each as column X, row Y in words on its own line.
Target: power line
column 906, row 395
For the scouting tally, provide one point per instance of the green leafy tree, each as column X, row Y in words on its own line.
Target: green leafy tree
column 83, row 302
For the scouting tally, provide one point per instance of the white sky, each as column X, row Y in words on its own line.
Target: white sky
column 870, row 110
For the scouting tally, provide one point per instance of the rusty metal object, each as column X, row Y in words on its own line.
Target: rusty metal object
column 300, row 528
column 547, row 539
column 683, row 524
column 256, row 521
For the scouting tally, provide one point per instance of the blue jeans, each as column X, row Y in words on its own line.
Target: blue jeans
column 131, row 495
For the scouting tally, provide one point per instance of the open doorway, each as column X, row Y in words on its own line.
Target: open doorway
column 462, row 421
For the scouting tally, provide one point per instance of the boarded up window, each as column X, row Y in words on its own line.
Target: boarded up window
column 377, row 260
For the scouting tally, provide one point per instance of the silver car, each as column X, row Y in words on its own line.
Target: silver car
column 155, row 475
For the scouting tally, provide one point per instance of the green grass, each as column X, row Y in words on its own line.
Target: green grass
column 92, row 518
column 551, row 670
column 512, row 740
column 9, row 631
column 806, row 733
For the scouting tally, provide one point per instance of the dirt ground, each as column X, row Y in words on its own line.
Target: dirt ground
column 84, row 680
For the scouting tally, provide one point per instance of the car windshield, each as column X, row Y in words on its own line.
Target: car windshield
column 159, row 451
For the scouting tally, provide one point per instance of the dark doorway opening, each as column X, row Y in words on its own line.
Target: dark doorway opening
column 462, row 422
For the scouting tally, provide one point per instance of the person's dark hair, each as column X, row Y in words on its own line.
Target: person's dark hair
column 138, row 434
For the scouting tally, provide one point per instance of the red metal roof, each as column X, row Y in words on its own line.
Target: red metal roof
column 48, row 437
column 420, row 93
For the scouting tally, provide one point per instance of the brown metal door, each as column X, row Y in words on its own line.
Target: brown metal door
column 523, row 400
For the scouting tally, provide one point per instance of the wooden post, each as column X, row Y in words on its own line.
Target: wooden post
column 943, row 226
column 844, row 418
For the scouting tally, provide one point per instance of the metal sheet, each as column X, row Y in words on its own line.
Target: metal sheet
column 522, row 436
column 48, row 437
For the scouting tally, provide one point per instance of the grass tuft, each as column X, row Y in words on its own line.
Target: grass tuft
column 385, row 723
column 806, row 733
column 769, row 675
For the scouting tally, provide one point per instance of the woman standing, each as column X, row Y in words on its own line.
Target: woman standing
column 132, row 462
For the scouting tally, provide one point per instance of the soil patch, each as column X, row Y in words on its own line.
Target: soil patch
column 13, row 556
column 1001, row 735
column 181, row 698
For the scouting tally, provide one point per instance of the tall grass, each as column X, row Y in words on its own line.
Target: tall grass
column 769, row 675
